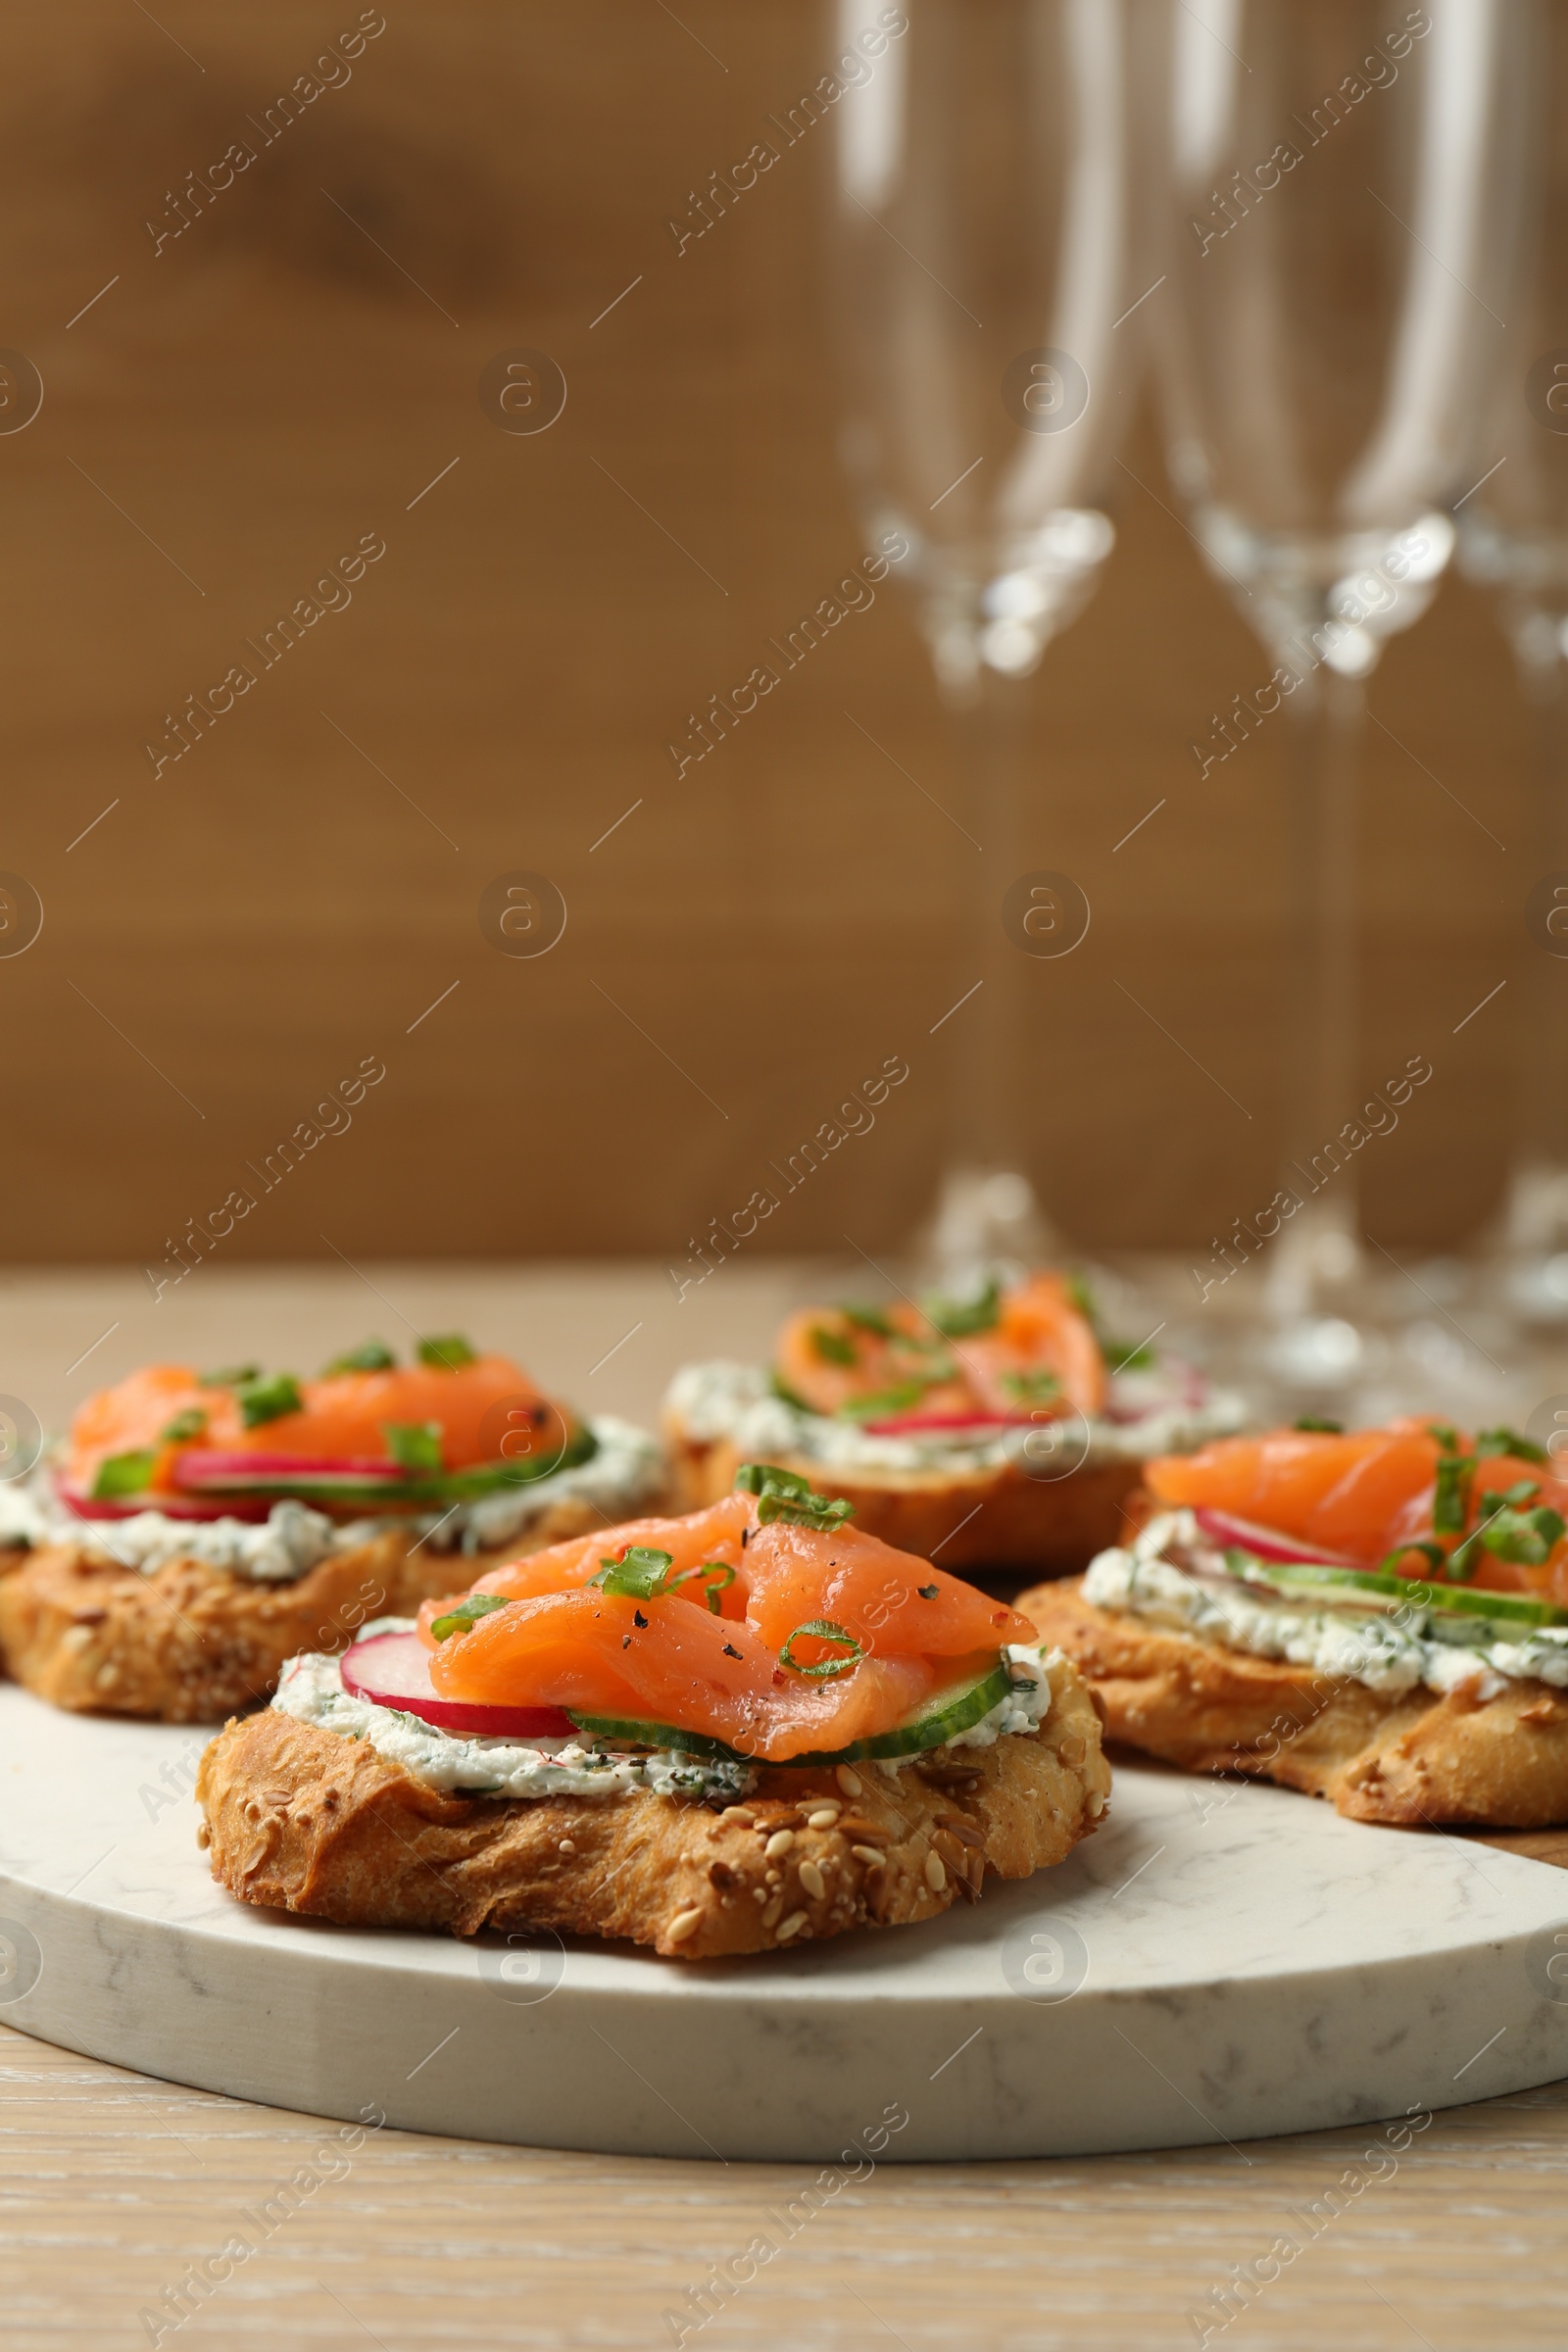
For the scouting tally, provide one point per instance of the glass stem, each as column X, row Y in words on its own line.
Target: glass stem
column 1537, row 1214
column 985, row 1049
column 1315, row 1258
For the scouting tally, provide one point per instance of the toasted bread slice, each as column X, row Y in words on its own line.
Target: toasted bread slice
column 300, row 1818
column 187, row 1643
column 962, row 1518
column 1413, row 1758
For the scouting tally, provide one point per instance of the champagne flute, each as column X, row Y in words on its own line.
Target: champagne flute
column 1341, row 228
column 999, row 206
column 1513, row 538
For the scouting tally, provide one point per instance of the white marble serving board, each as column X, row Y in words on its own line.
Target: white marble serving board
column 1237, row 1961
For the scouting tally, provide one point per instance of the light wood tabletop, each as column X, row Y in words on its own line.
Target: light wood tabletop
column 112, row 2184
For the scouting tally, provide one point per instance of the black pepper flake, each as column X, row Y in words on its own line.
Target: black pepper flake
column 625, row 1641
column 638, row 1618
column 730, row 1650
column 928, row 1592
column 746, row 1537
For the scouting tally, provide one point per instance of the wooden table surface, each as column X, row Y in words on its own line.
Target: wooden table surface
column 111, row 2183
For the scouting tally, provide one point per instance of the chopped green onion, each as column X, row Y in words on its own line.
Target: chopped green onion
column 123, row 1474
column 447, row 1355
column 639, row 1574
column 784, row 1495
column 414, row 1444
column 184, row 1425
column 899, row 1398
column 788, row 1395
column 709, row 1570
column 823, row 1629
column 1082, row 1298
column 233, row 1376
column 1434, row 1553
column 269, row 1400
column 469, row 1611
column 1318, row 1425
column 1447, row 1435
column 1526, row 1538
column 1034, row 1388
column 371, row 1355
column 1508, row 1441
column 1448, row 1500
column 871, row 1319
column 963, row 1318
column 831, row 1346
column 1122, row 1358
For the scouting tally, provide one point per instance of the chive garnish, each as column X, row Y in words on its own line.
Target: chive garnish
column 1035, row 1387
column 869, row 1318
column 832, row 1348
column 963, row 1318
column 414, row 1444
column 639, row 1574
column 447, row 1355
column 1509, row 1441
column 823, row 1629
column 469, row 1611
column 263, row 1400
column 1318, row 1425
column 184, row 1427
column 232, row 1376
column 371, row 1355
column 123, row 1474
column 708, row 1571
column 784, row 1495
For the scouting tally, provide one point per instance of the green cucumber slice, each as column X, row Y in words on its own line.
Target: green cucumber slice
column 628, row 1733
column 1349, row 1585
column 940, row 1720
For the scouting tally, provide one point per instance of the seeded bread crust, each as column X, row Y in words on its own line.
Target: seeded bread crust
column 302, row 1819
column 1413, row 1759
column 966, row 1519
column 189, row 1643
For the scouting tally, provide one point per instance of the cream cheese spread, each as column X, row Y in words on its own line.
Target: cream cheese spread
column 311, row 1689
column 625, row 1473
column 1173, row 1578
column 1150, row 1413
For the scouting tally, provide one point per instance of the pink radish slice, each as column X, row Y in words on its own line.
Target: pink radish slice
column 1264, row 1544
column 201, row 1466
column 393, row 1670
column 85, row 1506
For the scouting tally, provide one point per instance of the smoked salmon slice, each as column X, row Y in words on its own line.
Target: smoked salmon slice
column 171, row 1431
column 1412, row 1494
column 1029, row 1352
column 823, row 1637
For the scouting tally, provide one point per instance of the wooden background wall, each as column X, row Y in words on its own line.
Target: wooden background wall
column 242, row 931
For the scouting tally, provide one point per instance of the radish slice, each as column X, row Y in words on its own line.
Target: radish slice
column 85, row 1506
column 393, row 1670
column 202, row 1466
column 1264, row 1542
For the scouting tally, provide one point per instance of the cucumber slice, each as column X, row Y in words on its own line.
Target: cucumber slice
column 940, row 1720
column 1350, row 1584
column 627, row 1734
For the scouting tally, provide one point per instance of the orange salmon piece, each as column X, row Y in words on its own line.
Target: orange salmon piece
column 342, row 1416
column 1039, row 1330
column 895, row 1605
column 662, row 1661
column 813, row 1342
column 713, row 1534
column 1354, row 1492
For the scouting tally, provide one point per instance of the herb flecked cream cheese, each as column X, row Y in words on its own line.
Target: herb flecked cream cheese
column 1157, row 1412
column 1173, row 1578
column 623, row 1474
column 311, row 1689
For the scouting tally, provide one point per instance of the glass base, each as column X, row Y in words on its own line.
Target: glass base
column 1313, row 1342
column 988, row 1224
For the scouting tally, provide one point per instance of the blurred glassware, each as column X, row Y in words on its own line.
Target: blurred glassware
column 1000, row 184
column 1513, row 537
column 1343, row 220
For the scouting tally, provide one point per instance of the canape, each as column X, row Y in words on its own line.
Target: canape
column 725, row 1732
column 1002, row 1430
column 197, row 1529
column 1376, row 1617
